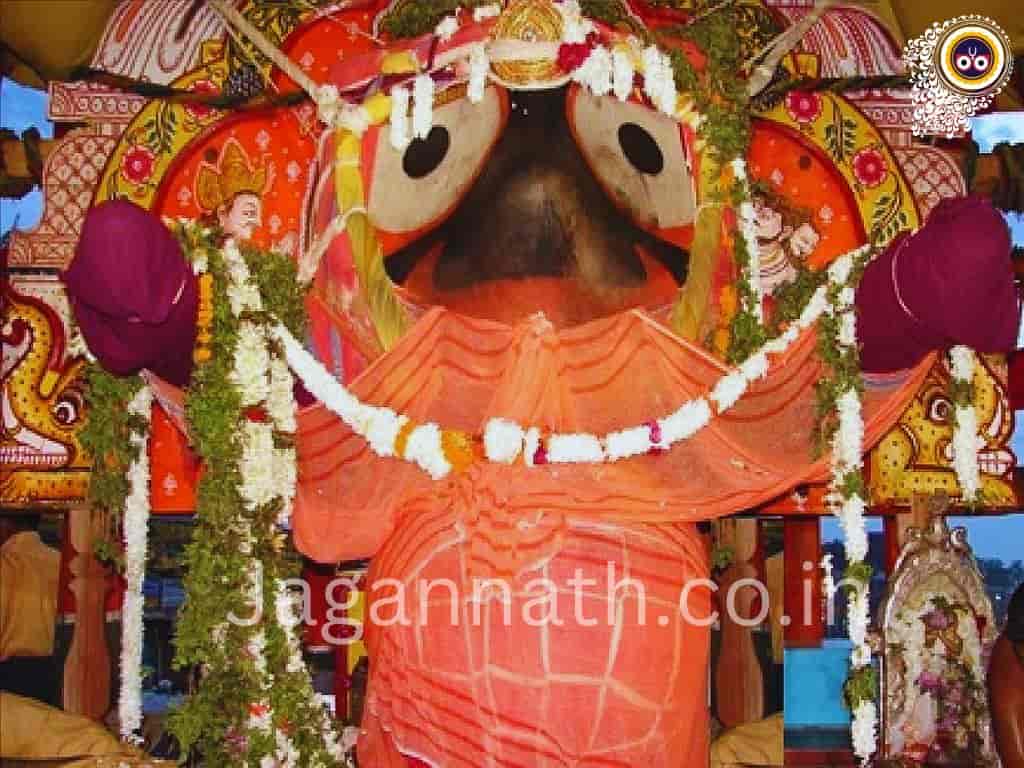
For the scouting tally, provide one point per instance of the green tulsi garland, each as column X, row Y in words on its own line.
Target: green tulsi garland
column 413, row 18
column 106, row 436
column 747, row 331
column 841, row 360
column 251, row 693
column 254, row 700
column 719, row 94
column 860, row 687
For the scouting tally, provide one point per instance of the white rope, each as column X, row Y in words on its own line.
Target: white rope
column 780, row 46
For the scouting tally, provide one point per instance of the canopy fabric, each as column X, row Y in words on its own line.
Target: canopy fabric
column 907, row 19
column 47, row 39
column 598, row 377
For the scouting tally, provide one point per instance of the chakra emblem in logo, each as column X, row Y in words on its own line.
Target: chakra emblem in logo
column 957, row 68
column 973, row 57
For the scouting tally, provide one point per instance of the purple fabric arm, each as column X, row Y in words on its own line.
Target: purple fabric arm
column 949, row 283
column 133, row 294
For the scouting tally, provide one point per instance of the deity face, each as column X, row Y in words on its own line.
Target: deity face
column 767, row 220
column 241, row 217
column 803, row 241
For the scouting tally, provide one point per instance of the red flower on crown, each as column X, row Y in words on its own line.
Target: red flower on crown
column 572, row 55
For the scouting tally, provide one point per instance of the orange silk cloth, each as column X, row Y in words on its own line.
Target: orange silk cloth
column 597, row 377
column 455, row 683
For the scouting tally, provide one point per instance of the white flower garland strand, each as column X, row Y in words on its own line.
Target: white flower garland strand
column 864, row 730
column 596, row 72
column 622, row 75
column 966, row 440
column 479, row 66
column 575, row 26
column 136, row 525
column 659, row 80
column 422, row 106
column 607, row 68
column 849, row 506
column 505, row 441
column 267, row 473
column 399, row 122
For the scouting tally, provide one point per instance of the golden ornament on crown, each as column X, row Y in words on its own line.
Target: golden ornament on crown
column 233, row 174
column 530, row 21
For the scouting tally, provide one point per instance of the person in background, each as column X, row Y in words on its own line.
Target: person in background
column 29, row 571
column 1006, row 685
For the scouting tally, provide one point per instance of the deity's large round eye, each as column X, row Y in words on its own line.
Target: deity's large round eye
column 939, row 409
column 424, row 156
column 68, row 408
column 418, row 186
column 637, row 155
column 641, row 149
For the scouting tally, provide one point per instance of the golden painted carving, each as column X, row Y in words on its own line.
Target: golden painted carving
column 934, row 562
column 840, row 130
column 41, row 459
column 915, row 456
column 233, row 174
column 530, row 21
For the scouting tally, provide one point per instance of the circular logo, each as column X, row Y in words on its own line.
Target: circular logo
column 973, row 57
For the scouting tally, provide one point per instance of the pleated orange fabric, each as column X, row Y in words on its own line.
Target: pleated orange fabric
column 454, row 681
column 601, row 376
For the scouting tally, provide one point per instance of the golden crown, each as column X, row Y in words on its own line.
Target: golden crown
column 232, row 175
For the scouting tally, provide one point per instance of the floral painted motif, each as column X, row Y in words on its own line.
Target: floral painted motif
column 803, row 106
column 137, row 164
column 201, row 111
column 870, row 167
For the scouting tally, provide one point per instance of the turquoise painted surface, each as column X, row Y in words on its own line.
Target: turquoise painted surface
column 814, row 685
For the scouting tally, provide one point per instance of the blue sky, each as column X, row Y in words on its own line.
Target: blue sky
column 999, row 537
column 22, row 108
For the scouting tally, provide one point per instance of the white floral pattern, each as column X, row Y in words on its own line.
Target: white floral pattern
column 136, row 526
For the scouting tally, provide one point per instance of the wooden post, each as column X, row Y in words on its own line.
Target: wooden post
column 87, row 667
column 893, row 541
column 739, row 682
column 803, row 598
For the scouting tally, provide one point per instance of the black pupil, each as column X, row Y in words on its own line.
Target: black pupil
column 422, row 156
column 641, row 149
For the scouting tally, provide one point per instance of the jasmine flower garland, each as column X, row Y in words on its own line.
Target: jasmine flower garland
column 479, row 67
column 256, row 707
column 428, row 445
column 840, row 395
column 966, row 441
column 622, row 75
column 422, row 106
column 595, row 73
column 399, row 122
column 136, row 523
